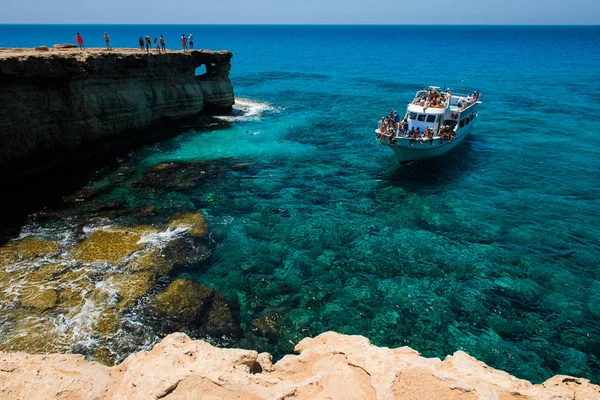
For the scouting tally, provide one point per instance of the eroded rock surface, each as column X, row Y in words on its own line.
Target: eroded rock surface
column 63, row 98
column 329, row 366
column 78, row 295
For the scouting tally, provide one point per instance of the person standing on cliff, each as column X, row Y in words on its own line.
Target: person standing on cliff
column 156, row 46
column 79, row 41
column 162, row 44
column 191, row 41
column 148, row 42
column 183, row 42
column 107, row 40
column 141, row 42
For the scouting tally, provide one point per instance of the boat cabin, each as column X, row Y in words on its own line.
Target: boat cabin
column 434, row 109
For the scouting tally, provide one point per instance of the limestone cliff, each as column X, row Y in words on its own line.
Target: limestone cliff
column 61, row 99
column 330, row 366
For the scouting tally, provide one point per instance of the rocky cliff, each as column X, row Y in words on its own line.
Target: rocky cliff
column 330, row 366
column 60, row 99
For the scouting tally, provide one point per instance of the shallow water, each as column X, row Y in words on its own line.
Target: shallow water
column 492, row 249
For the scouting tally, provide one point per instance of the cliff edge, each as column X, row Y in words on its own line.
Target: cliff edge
column 329, row 366
column 61, row 99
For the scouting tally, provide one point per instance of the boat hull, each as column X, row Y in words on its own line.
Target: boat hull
column 421, row 151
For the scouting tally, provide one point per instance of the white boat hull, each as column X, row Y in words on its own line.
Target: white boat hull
column 420, row 151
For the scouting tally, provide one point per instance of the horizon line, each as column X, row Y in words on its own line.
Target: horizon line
column 287, row 24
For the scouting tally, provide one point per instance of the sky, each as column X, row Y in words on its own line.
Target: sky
column 471, row 12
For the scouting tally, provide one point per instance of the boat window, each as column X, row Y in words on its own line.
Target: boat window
column 421, row 117
column 412, row 115
column 462, row 123
column 431, row 118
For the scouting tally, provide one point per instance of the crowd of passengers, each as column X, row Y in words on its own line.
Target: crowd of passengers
column 433, row 98
column 392, row 128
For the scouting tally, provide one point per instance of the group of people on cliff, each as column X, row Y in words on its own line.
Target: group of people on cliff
column 160, row 44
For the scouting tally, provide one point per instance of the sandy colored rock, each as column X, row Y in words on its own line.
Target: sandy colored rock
column 151, row 260
column 330, row 366
column 65, row 46
column 108, row 323
column 33, row 331
column 183, row 300
column 46, row 273
column 26, row 249
column 39, row 297
column 195, row 222
column 130, row 287
column 111, row 245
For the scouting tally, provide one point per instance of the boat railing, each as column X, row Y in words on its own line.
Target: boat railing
column 392, row 137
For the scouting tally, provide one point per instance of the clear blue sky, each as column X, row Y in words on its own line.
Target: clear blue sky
column 301, row 12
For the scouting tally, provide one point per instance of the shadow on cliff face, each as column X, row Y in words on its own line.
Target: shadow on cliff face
column 46, row 179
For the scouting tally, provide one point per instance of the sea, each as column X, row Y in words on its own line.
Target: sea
column 492, row 248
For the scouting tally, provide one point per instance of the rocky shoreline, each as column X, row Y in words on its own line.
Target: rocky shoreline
column 55, row 102
column 329, row 366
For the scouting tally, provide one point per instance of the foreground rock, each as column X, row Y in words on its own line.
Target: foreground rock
column 329, row 366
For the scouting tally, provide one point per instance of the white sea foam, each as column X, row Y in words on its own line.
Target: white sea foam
column 158, row 239
column 248, row 109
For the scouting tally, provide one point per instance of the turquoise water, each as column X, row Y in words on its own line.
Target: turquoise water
column 492, row 249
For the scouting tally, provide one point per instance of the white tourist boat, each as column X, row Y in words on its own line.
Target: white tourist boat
column 446, row 118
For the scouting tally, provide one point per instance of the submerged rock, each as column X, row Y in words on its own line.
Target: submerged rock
column 219, row 320
column 111, row 245
column 152, row 260
column 103, row 355
column 183, row 300
column 81, row 195
column 26, row 249
column 34, row 332
column 131, row 287
column 108, row 323
column 267, row 325
column 40, row 298
column 178, row 175
column 194, row 221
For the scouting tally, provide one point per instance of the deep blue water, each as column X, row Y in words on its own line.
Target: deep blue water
column 493, row 248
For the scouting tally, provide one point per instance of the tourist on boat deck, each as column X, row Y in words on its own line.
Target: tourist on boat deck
column 429, row 134
column 412, row 135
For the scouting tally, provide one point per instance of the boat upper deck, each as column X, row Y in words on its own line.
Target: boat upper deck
column 433, row 101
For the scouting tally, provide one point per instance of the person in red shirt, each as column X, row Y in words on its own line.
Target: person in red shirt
column 183, row 42
column 79, row 40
